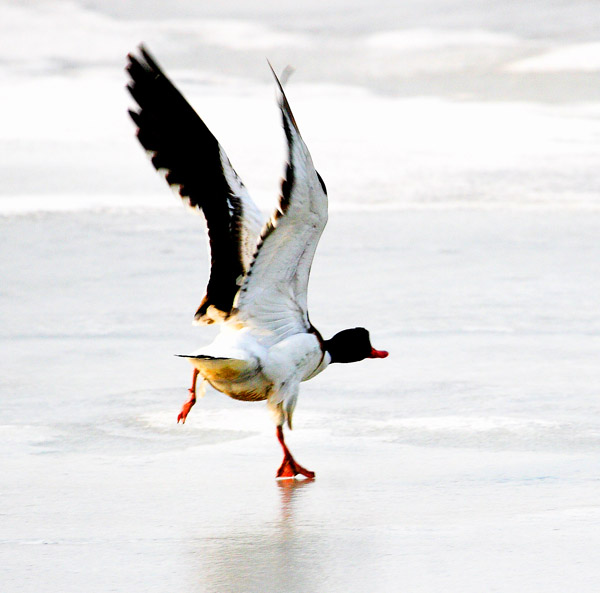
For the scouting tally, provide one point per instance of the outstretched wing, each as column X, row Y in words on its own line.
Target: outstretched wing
column 196, row 165
column 273, row 296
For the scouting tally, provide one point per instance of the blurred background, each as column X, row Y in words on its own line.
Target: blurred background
column 467, row 101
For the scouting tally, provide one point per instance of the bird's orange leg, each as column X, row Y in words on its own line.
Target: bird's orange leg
column 185, row 410
column 289, row 468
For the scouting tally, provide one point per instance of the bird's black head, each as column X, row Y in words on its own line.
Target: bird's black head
column 352, row 345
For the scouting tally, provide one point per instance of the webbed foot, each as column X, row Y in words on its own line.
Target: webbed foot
column 289, row 468
column 185, row 410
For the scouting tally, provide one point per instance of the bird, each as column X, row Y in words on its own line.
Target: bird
column 259, row 270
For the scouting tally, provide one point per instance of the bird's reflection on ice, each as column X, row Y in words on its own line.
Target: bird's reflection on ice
column 271, row 551
column 289, row 490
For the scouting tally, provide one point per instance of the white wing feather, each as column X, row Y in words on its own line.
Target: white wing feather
column 252, row 220
column 273, row 296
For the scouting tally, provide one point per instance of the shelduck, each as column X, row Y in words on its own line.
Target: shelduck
column 257, row 289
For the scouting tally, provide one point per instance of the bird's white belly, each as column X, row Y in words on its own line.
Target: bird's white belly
column 256, row 375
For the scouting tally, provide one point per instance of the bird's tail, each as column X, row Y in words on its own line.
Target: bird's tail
column 217, row 367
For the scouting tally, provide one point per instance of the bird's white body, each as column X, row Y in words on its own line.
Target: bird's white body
column 248, row 366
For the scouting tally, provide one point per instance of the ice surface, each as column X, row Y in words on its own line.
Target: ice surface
column 459, row 145
column 466, row 460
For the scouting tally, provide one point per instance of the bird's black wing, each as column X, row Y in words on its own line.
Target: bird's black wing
column 195, row 164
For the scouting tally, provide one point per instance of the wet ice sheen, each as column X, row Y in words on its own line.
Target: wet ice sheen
column 464, row 445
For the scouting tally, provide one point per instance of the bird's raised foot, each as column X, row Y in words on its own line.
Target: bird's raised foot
column 185, row 410
column 290, row 469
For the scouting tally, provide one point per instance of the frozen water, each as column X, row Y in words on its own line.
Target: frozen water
column 468, row 459
column 459, row 144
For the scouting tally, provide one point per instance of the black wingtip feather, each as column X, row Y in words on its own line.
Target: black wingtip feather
column 135, row 116
column 150, row 59
column 184, row 149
